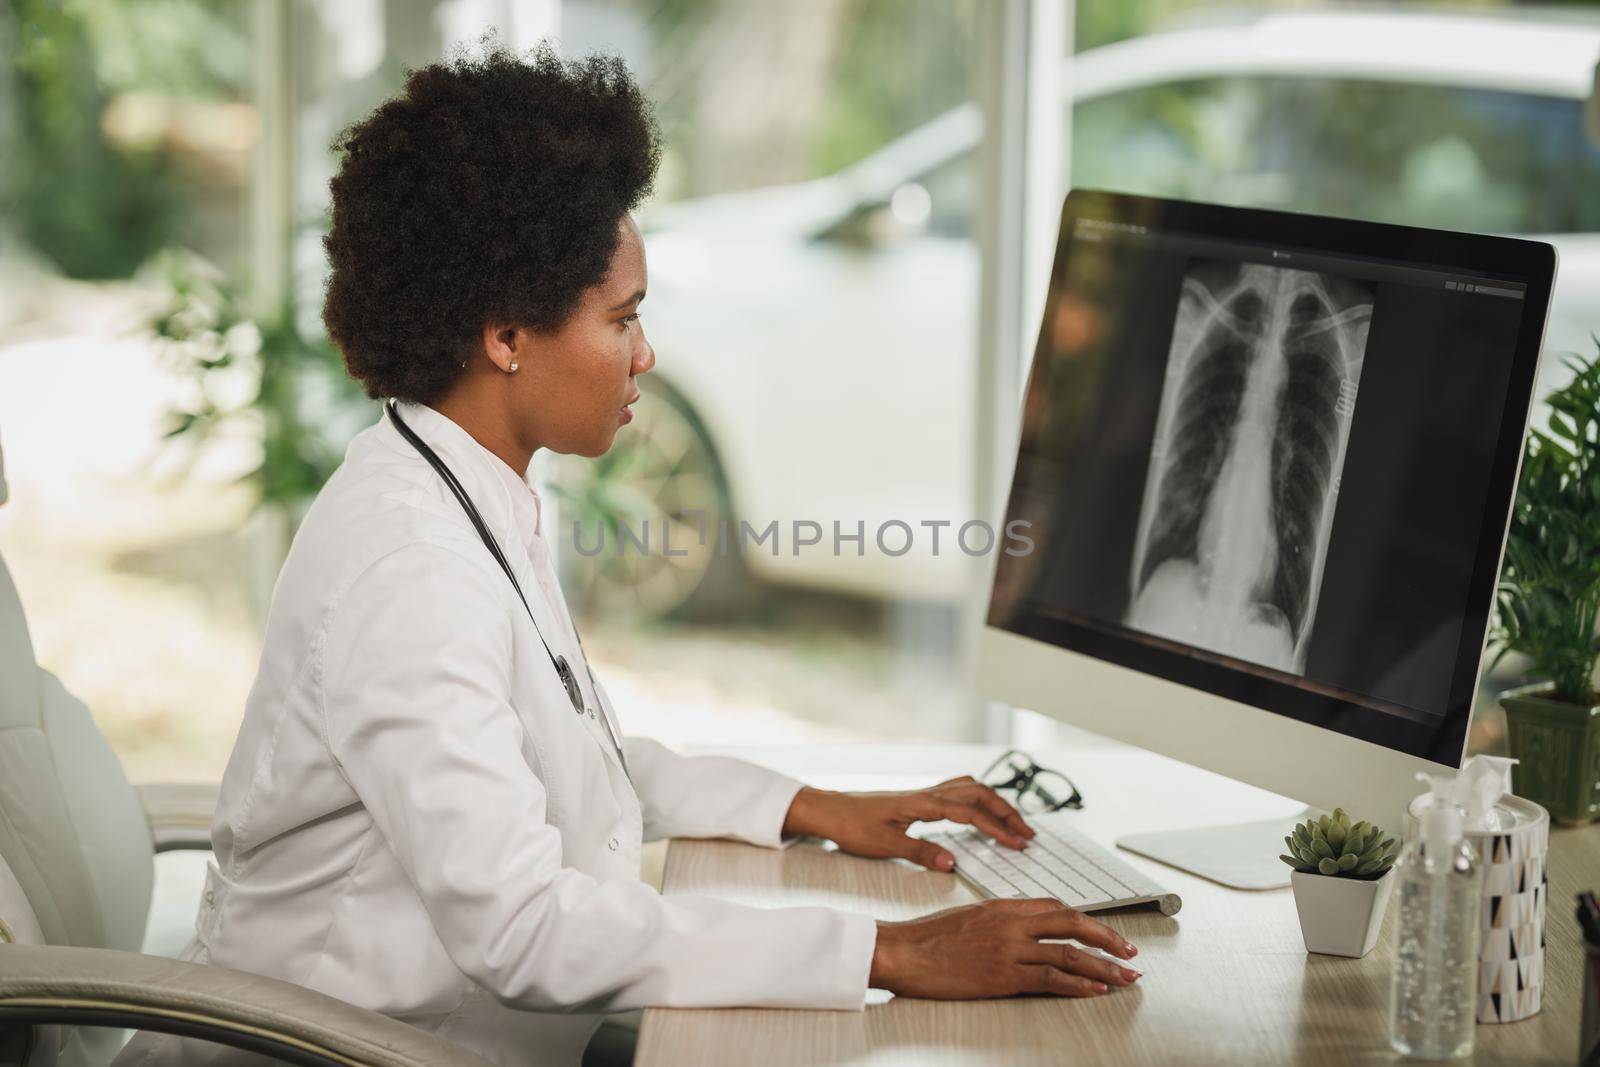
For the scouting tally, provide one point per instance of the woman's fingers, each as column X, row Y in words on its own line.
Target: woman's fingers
column 1030, row 905
column 1061, row 921
column 957, row 809
column 989, row 950
column 1077, row 961
column 1043, row 978
column 990, row 801
column 928, row 855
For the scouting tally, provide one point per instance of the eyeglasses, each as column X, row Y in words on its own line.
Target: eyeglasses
column 1039, row 790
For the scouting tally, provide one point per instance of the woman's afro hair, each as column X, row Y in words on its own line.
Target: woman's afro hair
column 488, row 192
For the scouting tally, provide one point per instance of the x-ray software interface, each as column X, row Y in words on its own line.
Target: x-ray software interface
column 1272, row 458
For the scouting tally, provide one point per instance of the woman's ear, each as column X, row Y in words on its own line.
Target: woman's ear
column 504, row 346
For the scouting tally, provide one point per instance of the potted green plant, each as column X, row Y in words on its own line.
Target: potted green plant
column 1549, row 602
column 1343, row 875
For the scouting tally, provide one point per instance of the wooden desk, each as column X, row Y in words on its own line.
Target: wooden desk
column 1226, row 981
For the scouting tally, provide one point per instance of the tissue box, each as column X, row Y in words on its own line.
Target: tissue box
column 1515, row 887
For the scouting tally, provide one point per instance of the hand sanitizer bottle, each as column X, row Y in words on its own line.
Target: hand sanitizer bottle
column 1433, row 994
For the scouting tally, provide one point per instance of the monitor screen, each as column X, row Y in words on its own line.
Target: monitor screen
column 1271, row 457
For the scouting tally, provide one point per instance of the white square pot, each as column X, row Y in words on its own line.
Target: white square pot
column 1341, row 916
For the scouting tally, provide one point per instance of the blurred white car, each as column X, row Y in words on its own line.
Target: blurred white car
column 815, row 342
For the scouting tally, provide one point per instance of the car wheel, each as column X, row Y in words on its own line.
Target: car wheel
column 641, row 524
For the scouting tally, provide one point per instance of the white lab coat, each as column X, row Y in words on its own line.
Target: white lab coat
column 415, row 820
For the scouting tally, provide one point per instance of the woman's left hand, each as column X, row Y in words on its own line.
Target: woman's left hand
column 876, row 824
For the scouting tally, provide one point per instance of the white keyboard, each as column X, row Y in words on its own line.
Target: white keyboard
column 1059, row 862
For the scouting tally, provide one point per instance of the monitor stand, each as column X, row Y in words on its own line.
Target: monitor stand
column 1240, row 856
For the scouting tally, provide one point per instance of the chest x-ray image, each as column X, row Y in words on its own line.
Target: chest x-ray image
column 1244, row 471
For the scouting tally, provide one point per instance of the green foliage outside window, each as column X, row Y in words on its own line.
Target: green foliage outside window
column 267, row 377
column 94, row 206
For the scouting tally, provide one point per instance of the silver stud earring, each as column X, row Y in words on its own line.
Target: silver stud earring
column 513, row 368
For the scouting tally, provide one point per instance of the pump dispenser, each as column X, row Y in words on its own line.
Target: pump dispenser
column 1443, row 822
column 1432, row 997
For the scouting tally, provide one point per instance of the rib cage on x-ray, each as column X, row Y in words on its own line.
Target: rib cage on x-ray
column 1255, row 409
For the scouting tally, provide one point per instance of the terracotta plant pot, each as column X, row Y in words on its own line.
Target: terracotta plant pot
column 1558, row 746
column 1341, row 916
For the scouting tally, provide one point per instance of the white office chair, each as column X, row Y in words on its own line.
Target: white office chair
column 77, row 846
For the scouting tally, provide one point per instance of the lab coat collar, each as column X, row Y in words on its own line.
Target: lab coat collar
column 525, row 501
column 510, row 508
column 527, row 507
column 485, row 476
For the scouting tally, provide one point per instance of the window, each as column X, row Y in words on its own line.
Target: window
column 1431, row 155
column 1422, row 155
column 806, row 431
column 1195, row 140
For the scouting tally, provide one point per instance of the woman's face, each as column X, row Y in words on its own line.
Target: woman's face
column 578, row 385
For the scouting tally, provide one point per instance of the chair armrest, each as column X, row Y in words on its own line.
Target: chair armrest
column 179, row 813
column 41, row 984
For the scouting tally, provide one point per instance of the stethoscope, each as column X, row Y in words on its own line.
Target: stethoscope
column 569, row 680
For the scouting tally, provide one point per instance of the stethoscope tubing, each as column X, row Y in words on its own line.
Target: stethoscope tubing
column 562, row 668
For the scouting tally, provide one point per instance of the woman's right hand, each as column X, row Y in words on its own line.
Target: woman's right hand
column 998, row 948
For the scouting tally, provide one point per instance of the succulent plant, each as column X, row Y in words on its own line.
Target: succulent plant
column 1334, row 846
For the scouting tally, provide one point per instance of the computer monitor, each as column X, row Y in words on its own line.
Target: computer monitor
column 1262, row 488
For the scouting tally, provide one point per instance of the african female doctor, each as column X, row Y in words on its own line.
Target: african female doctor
column 431, row 809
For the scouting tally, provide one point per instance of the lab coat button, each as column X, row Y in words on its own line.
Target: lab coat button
column 613, row 844
column 211, row 897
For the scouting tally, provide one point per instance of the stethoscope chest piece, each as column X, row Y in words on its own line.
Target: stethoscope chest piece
column 569, row 681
